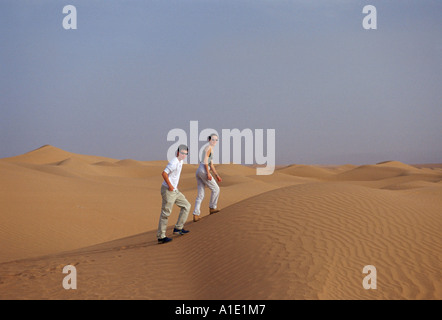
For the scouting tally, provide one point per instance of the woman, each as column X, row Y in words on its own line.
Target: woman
column 204, row 178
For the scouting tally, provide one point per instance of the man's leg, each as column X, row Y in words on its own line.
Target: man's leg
column 166, row 210
column 182, row 202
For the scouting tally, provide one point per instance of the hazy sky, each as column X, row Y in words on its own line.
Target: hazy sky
column 133, row 70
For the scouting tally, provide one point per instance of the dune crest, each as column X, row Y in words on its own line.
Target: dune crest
column 398, row 164
column 43, row 155
column 307, row 171
column 129, row 162
column 105, row 164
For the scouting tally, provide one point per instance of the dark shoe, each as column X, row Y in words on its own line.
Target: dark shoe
column 212, row 211
column 164, row 240
column 178, row 231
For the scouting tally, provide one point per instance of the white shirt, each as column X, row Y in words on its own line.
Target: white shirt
column 173, row 169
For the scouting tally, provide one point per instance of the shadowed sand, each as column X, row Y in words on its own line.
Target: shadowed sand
column 305, row 232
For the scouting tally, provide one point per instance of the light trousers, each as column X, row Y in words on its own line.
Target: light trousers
column 202, row 182
column 169, row 199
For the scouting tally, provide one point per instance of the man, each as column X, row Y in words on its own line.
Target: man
column 171, row 196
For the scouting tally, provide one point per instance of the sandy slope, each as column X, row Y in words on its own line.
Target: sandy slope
column 305, row 232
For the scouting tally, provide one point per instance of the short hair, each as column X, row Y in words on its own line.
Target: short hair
column 181, row 148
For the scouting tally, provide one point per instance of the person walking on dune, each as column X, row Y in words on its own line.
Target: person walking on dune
column 171, row 195
column 204, row 178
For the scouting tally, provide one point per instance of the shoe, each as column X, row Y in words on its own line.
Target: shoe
column 212, row 210
column 181, row 232
column 164, row 240
column 196, row 218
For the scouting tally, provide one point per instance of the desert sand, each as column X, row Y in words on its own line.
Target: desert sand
column 305, row 232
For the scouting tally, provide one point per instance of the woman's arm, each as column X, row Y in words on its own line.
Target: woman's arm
column 206, row 162
column 216, row 173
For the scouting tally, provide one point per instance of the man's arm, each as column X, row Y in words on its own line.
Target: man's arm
column 166, row 178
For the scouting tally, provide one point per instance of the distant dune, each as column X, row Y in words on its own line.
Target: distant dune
column 304, row 232
column 307, row 171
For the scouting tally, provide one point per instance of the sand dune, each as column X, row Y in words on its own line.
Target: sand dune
column 305, row 232
column 105, row 164
column 370, row 173
column 129, row 163
column 307, row 171
column 50, row 154
column 398, row 164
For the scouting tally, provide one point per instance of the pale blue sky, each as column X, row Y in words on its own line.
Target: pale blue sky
column 133, row 70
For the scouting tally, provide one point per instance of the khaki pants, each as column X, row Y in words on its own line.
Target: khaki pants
column 169, row 199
